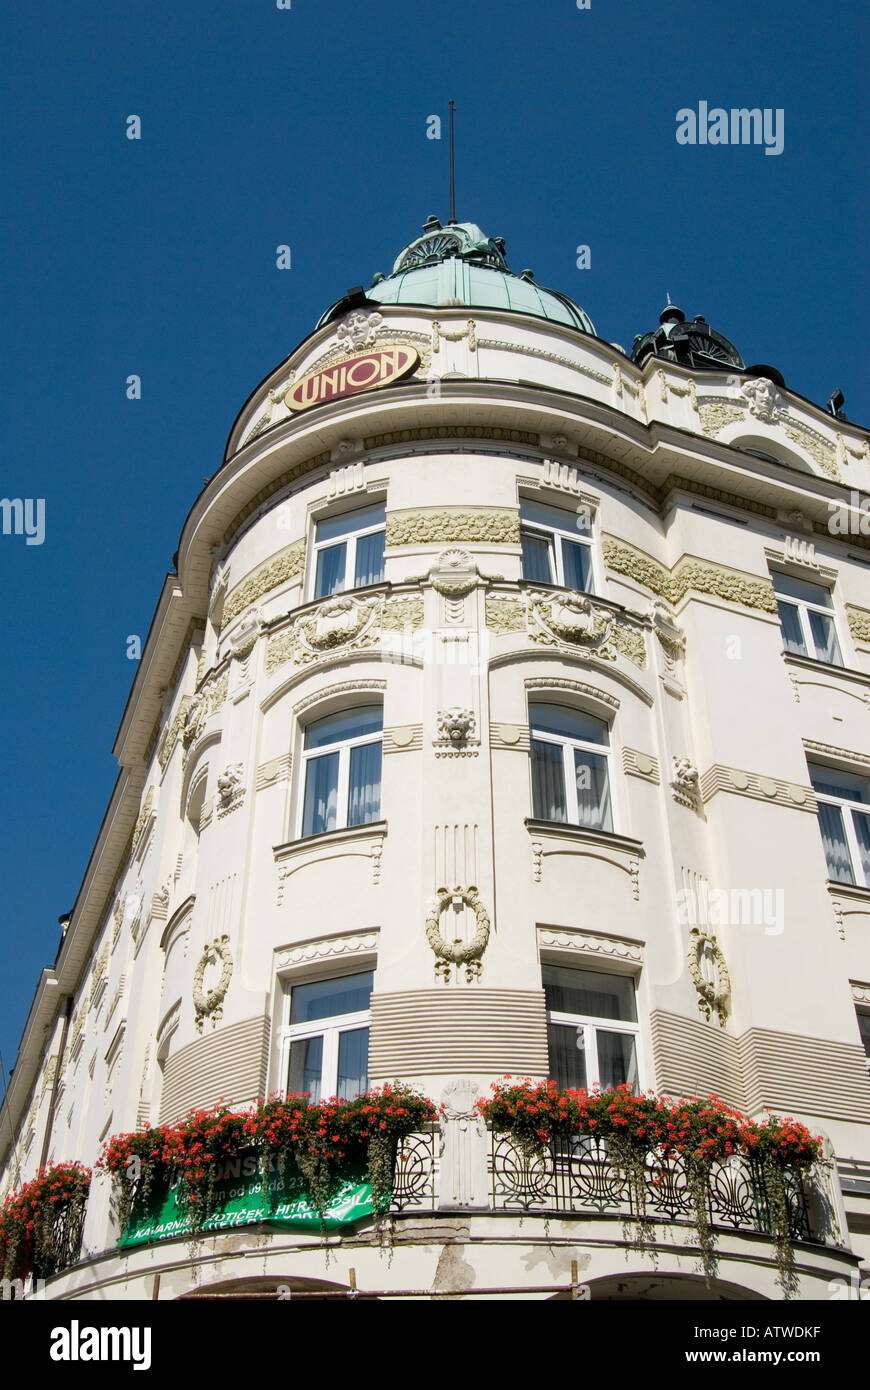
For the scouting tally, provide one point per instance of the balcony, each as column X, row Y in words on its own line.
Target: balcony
column 577, row 1179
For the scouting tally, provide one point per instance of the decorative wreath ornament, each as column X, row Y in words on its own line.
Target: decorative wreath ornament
column 709, row 974
column 465, row 953
column 209, row 1004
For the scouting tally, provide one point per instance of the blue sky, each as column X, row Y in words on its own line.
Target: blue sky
column 308, row 127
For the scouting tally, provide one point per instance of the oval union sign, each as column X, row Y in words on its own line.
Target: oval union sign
column 364, row 373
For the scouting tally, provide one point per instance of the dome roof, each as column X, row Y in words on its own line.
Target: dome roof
column 458, row 265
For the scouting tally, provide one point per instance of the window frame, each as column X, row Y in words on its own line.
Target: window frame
column 803, row 608
column 330, row 1029
column 846, row 807
column 591, row 1025
column 862, row 1013
column 567, row 744
column 349, row 540
column 554, row 536
column 343, row 748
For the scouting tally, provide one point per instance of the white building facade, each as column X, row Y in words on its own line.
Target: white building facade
column 509, row 713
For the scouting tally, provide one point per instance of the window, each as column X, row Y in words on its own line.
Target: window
column 342, row 770
column 349, row 551
column 844, row 817
column 864, row 1030
column 557, row 546
column 326, row 1043
column 569, row 767
column 807, row 619
column 591, row 1028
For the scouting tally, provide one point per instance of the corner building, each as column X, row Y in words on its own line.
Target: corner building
column 509, row 713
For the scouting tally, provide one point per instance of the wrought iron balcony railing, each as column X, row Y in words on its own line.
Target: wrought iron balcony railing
column 576, row 1177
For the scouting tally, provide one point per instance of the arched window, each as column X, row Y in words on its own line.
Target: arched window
column 342, row 770
column 570, row 776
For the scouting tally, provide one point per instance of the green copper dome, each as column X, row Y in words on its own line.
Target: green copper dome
column 458, row 266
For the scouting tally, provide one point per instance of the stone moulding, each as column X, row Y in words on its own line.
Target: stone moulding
column 453, row 525
column 846, row 755
column 638, row 764
column 360, row 842
column 582, row 943
column 719, row 778
column 550, row 838
column 284, row 568
column 734, row 586
column 593, row 692
column 403, row 738
column 275, row 770
column 848, row 900
column 325, row 948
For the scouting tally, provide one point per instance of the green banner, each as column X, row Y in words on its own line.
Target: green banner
column 241, row 1201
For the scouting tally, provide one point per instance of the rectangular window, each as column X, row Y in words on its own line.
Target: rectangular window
column 557, row 546
column 591, row 1028
column 806, row 616
column 843, row 800
column 864, row 1030
column 342, row 770
column 327, row 1037
column 349, row 551
column 569, row 753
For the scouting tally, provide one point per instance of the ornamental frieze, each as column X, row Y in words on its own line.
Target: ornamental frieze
column 716, row 413
column 173, row 733
column 454, row 525
column 342, row 623
column 567, row 619
column 287, row 566
column 732, row 585
column 143, row 816
column 505, row 615
column 206, row 702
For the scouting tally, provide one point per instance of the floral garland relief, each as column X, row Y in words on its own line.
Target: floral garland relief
column 457, row 952
column 209, row 1003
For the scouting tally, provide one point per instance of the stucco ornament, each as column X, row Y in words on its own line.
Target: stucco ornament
column 762, row 397
column 454, row 573
column 244, row 638
column 686, row 782
column 336, row 623
column 197, row 713
column 709, row 974
column 456, row 724
column 229, row 787
column 209, row 1003
column 359, row 330
column 456, row 952
column 667, row 629
column 569, row 618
